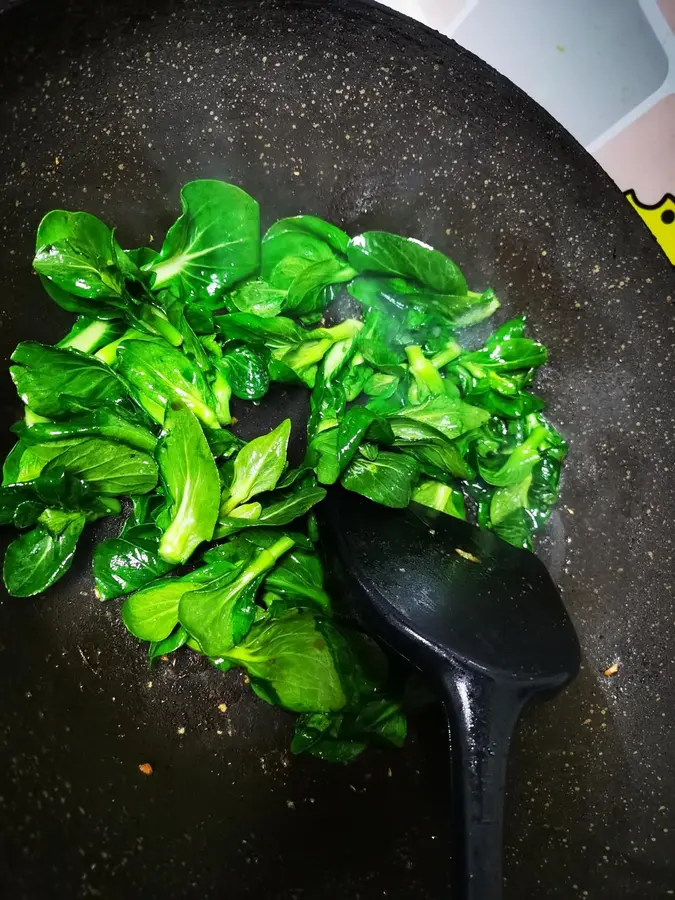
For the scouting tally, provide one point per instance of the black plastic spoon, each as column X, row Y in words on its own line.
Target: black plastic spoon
column 482, row 619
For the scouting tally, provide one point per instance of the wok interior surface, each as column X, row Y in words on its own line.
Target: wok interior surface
column 349, row 112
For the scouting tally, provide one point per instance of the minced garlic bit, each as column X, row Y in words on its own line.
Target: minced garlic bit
column 180, row 730
column 222, row 707
column 466, row 555
column 611, row 670
column 146, row 769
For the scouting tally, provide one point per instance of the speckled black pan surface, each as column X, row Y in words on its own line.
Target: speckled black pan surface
column 352, row 113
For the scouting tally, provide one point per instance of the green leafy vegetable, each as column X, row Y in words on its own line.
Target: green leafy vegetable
column 89, row 335
column 46, row 378
column 34, row 561
column 158, row 375
column 84, row 270
column 258, row 467
column 388, row 480
column 404, row 407
column 341, row 737
column 107, row 423
column 152, row 613
column 289, row 506
column 220, row 615
column 246, row 372
column 394, row 296
column 22, row 504
column 300, row 577
column 389, row 254
column 214, row 243
column 177, row 639
column 192, row 485
column 307, row 239
column 290, row 662
column 79, row 254
column 109, row 467
column 440, row 496
column 257, row 297
column 128, row 562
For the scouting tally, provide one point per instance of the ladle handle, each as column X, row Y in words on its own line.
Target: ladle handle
column 482, row 716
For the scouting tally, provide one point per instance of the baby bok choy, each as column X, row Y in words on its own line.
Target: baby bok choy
column 134, row 413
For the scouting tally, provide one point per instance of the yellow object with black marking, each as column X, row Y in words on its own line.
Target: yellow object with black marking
column 660, row 219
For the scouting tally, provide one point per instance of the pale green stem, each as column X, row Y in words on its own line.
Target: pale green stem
column 425, row 374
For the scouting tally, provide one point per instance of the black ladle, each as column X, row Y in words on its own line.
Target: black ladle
column 482, row 619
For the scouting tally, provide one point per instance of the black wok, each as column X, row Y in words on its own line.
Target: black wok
column 356, row 114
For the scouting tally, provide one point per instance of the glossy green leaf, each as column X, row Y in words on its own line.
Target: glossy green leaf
column 517, row 528
column 151, row 613
column 192, row 484
column 177, row 639
column 290, row 663
column 381, row 385
column 23, row 503
column 159, row 374
column 390, row 254
column 222, row 443
column 331, row 451
column 256, row 297
column 322, row 456
column 258, row 467
column 34, row 561
column 441, row 497
column 274, row 333
column 388, row 480
column 190, row 344
column 25, row 463
column 306, row 293
column 289, row 506
column 247, row 372
column 519, row 463
column 428, row 380
column 110, row 468
column 79, row 254
column 99, row 422
column 213, row 244
column 299, row 576
column 46, row 377
column 430, row 447
column 300, row 237
column 220, row 615
column 450, row 416
column 507, row 350
column 128, row 562
column 362, row 664
column 395, row 296
column 506, row 500
column 500, row 394
column 342, row 736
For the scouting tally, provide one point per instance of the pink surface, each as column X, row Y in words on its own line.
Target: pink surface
column 667, row 7
column 642, row 156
